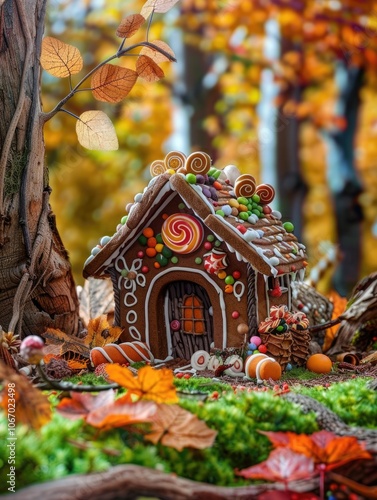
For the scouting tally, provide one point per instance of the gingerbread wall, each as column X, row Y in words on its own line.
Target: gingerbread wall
column 175, row 246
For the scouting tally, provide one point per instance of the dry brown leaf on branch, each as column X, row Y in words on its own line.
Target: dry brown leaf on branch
column 96, row 298
column 31, row 406
column 67, row 343
column 130, row 25
column 59, row 58
column 178, row 428
column 112, row 83
column 158, row 6
column 148, row 69
column 155, row 55
column 101, row 333
column 95, row 131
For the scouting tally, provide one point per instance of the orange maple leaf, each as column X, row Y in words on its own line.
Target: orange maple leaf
column 155, row 385
column 120, row 415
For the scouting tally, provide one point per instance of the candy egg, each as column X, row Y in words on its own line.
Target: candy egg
column 251, row 364
column 268, row 368
column 256, row 340
column 319, row 363
column 199, row 360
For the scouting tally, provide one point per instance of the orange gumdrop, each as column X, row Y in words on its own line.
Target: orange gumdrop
column 148, row 232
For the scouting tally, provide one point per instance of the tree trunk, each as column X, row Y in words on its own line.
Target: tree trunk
column 36, row 285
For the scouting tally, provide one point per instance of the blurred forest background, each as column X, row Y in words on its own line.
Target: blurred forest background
column 285, row 90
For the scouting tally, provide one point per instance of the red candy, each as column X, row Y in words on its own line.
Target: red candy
column 140, row 254
column 236, row 275
column 262, row 348
column 242, row 229
column 235, row 314
column 208, row 245
column 144, row 269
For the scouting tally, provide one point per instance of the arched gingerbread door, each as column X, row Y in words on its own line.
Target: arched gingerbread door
column 190, row 318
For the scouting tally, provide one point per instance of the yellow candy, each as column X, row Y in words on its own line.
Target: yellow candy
column 171, row 171
column 233, row 203
column 159, row 247
column 221, row 275
column 242, row 208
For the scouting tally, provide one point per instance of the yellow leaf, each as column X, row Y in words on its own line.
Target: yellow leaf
column 95, row 131
column 155, row 55
column 175, row 427
column 31, row 407
column 158, row 6
column 60, row 59
column 148, row 69
column 101, row 333
column 130, row 25
column 112, row 83
column 155, row 385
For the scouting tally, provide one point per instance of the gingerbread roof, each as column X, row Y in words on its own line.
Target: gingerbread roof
column 229, row 204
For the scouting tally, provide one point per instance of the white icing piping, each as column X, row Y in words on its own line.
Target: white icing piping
column 196, row 271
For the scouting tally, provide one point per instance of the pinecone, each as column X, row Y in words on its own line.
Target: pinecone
column 278, row 347
column 300, row 346
column 9, row 345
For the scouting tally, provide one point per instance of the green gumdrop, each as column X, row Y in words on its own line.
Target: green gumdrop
column 181, row 206
column 159, row 238
column 229, row 280
column 198, row 260
column 242, row 201
column 191, row 178
column 174, row 260
column 210, row 237
column 163, row 261
column 216, row 174
column 166, row 252
column 289, row 227
column 123, row 220
column 142, row 239
column 220, row 212
column 217, row 243
column 256, row 198
column 256, row 212
column 243, row 215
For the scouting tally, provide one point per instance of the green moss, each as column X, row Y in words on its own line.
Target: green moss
column 301, row 374
column 13, row 173
column 352, row 401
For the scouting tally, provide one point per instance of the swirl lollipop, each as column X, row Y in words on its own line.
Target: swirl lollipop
column 198, row 163
column 182, row 233
column 175, row 160
column 266, row 193
column 245, row 186
column 157, row 168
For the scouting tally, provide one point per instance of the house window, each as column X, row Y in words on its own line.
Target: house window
column 193, row 322
column 278, row 286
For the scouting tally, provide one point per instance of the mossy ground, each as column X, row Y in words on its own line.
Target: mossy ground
column 65, row 447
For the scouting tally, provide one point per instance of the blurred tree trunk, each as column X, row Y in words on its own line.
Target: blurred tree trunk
column 36, row 285
column 344, row 182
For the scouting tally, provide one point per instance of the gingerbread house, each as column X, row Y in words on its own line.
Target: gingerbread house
column 199, row 259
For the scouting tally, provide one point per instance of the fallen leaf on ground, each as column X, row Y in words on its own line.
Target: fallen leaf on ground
column 155, row 385
column 175, row 427
column 120, row 415
column 283, row 465
column 31, row 407
column 81, row 404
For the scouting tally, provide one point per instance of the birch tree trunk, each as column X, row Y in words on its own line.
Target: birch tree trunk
column 36, row 285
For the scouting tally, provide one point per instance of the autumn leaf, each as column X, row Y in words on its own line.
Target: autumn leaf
column 283, row 465
column 79, row 405
column 130, row 25
column 175, row 427
column 155, row 55
column 326, row 448
column 67, row 343
column 158, row 6
column 96, row 297
column 148, row 69
column 95, row 131
column 31, row 406
column 155, row 385
column 339, row 306
column 278, row 438
column 120, row 415
column 101, row 333
column 77, row 364
column 59, row 58
column 112, row 83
